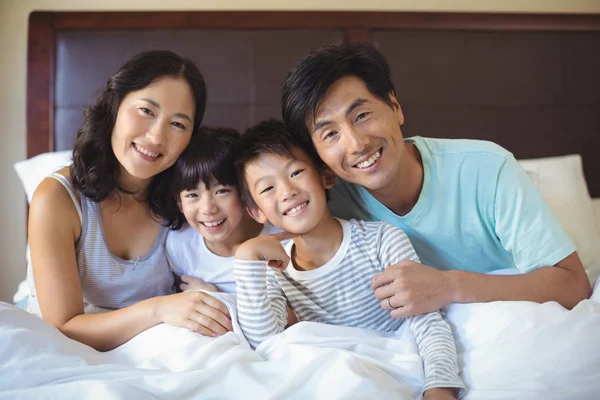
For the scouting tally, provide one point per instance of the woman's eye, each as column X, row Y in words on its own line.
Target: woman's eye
column 178, row 125
column 265, row 190
column 297, row 172
column 146, row 111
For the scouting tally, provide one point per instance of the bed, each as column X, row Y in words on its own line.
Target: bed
column 527, row 82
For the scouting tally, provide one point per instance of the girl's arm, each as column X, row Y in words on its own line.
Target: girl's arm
column 54, row 228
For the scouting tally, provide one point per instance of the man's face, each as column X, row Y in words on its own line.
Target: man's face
column 358, row 135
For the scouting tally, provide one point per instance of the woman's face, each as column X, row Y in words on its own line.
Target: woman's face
column 153, row 127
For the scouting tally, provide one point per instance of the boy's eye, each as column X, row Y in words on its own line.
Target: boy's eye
column 265, row 190
column 297, row 172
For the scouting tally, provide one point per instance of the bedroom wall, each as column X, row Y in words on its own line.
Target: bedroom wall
column 13, row 55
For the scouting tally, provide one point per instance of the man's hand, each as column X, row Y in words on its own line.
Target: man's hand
column 191, row 283
column 440, row 394
column 266, row 248
column 409, row 288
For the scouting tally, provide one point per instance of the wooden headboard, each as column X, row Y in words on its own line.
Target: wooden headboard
column 527, row 82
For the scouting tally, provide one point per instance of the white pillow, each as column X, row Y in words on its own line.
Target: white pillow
column 32, row 171
column 562, row 184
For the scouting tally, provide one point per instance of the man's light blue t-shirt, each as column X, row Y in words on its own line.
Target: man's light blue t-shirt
column 478, row 210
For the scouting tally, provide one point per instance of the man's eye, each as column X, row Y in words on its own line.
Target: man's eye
column 361, row 116
column 265, row 190
column 330, row 135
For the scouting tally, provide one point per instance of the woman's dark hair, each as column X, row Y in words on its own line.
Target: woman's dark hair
column 95, row 171
column 210, row 156
column 308, row 82
column 268, row 137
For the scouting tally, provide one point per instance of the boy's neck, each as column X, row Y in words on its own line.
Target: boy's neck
column 317, row 247
column 247, row 229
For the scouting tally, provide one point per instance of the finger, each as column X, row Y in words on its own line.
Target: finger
column 184, row 287
column 197, row 327
column 185, row 278
column 390, row 303
column 403, row 312
column 209, row 318
column 382, row 278
column 284, row 235
column 278, row 265
column 214, row 303
column 385, row 291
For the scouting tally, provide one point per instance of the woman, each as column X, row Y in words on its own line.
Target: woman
column 95, row 229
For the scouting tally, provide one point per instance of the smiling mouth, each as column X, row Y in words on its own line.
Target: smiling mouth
column 146, row 152
column 369, row 161
column 213, row 224
column 295, row 210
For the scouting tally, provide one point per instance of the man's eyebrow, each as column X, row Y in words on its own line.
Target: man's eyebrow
column 356, row 103
column 155, row 104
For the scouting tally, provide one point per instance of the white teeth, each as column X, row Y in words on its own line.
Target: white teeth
column 146, row 152
column 213, row 224
column 370, row 161
column 296, row 209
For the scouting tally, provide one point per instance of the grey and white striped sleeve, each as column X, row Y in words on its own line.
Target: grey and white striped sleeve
column 394, row 246
column 438, row 350
column 261, row 303
column 432, row 332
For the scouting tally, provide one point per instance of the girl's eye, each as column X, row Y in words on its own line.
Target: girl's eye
column 146, row 111
column 223, row 191
column 297, row 172
column 265, row 190
column 178, row 125
column 191, row 195
column 361, row 116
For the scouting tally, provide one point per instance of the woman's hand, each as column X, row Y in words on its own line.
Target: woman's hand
column 191, row 283
column 197, row 311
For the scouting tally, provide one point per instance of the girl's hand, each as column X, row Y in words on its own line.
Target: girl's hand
column 197, row 311
column 191, row 283
column 266, row 248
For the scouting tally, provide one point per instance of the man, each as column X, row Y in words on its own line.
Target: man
column 467, row 206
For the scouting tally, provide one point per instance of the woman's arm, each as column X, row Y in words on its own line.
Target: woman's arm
column 54, row 228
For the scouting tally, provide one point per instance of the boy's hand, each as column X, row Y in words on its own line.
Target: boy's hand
column 440, row 394
column 266, row 248
column 191, row 283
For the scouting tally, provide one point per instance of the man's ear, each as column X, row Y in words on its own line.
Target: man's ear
column 396, row 107
column 328, row 178
column 256, row 214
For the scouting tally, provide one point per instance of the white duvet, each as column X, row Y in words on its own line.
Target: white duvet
column 507, row 350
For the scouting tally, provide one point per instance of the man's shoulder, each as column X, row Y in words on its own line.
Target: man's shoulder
column 461, row 148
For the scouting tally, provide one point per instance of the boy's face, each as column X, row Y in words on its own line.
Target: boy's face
column 214, row 212
column 289, row 191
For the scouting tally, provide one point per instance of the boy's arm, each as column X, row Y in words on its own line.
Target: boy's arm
column 261, row 303
column 438, row 351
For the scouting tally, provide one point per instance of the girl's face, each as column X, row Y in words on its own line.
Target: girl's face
column 215, row 212
column 153, row 127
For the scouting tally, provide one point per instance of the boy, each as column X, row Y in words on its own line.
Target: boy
column 325, row 272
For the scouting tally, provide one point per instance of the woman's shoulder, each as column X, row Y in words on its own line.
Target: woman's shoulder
column 53, row 196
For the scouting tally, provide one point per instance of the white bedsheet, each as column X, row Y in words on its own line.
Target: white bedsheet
column 507, row 350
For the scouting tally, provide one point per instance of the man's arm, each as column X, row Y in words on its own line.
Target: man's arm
column 416, row 288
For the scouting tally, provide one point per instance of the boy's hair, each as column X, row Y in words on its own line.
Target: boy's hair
column 308, row 82
column 267, row 137
column 209, row 157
